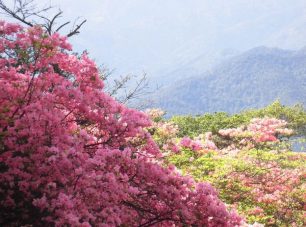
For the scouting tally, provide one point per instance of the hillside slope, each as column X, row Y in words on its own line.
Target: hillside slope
column 250, row 80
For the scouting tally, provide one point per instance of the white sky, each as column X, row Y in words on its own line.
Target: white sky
column 152, row 35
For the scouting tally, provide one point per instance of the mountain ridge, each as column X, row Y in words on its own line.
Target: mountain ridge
column 251, row 79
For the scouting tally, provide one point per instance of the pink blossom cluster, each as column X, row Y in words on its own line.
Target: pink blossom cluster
column 194, row 145
column 8, row 28
column 232, row 132
column 199, row 144
column 272, row 188
column 155, row 113
column 164, row 132
column 266, row 129
column 207, row 141
column 70, row 155
column 259, row 130
column 256, row 211
column 167, row 129
column 275, row 184
column 171, row 146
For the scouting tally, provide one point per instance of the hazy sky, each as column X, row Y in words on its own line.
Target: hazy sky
column 153, row 35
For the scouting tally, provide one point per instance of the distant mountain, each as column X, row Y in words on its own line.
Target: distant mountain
column 252, row 79
column 191, row 66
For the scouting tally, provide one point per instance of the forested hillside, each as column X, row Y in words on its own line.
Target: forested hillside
column 251, row 80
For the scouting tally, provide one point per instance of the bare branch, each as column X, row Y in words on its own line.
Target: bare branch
column 17, row 13
column 76, row 29
column 63, row 25
column 26, row 12
column 52, row 22
column 139, row 90
column 119, row 84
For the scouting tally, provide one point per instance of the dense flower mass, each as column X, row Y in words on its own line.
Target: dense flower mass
column 72, row 156
column 252, row 167
column 259, row 131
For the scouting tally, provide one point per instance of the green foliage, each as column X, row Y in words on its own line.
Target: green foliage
column 265, row 182
column 193, row 126
column 236, row 177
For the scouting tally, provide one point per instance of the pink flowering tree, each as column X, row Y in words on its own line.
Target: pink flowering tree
column 70, row 155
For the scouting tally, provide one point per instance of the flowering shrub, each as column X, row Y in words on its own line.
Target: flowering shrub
column 163, row 132
column 252, row 169
column 72, row 156
column 199, row 145
column 258, row 133
column 253, row 181
column 213, row 122
column 155, row 114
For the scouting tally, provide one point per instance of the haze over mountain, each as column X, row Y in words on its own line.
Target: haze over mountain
column 158, row 36
column 173, row 40
column 191, row 66
column 252, row 79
